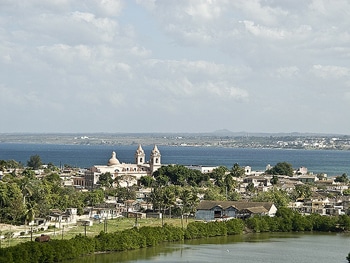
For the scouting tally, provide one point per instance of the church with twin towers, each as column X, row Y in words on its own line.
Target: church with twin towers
column 124, row 174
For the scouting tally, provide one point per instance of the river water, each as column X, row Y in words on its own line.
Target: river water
column 266, row 247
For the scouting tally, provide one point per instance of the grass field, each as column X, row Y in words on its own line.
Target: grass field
column 111, row 225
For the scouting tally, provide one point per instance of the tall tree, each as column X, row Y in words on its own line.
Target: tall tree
column 34, row 162
column 342, row 179
column 218, row 174
column 279, row 197
column 147, row 181
column 237, row 171
column 105, row 180
column 16, row 209
column 282, row 168
column 189, row 198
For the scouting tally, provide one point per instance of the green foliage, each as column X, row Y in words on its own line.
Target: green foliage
column 196, row 230
column 342, row 179
column 348, row 257
column 287, row 220
column 302, row 191
column 105, row 179
column 235, row 226
column 218, row 174
column 11, row 200
column 147, row 181
column 189, row 199
column 34, row 162
column 10, row 164
column 282, row 168
column 274, row 180
column 199, row 229
column 179, row 175
column 257, row 224
column 324, row 223
column 279, row 197
column 237, row 171
column 62, row 250
column 214, row 193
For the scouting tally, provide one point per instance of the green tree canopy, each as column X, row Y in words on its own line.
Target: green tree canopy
column 34, row 162
column 342, row 179
column 105, row 180
column 282, row 168
column 302, row 191
column 179, row 175
column 147, row 181
column 237, row 171
column 218, row 174
column 279, row 197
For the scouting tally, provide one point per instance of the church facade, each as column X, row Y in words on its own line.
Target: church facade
column 125, row 174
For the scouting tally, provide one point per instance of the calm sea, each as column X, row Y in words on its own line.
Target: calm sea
column 84, row 156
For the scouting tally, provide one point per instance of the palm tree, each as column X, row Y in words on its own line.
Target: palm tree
column 27, row 189
column 30, row 212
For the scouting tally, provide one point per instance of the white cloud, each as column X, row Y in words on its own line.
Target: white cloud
column 261, row 31
column 185, row 60
column 287, row 72
column 331, row 71
column 225, row 92
column 205, row 9
column 110, row 7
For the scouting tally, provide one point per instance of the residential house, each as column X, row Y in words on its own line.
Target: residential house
column 308, row 178
column 214, row 210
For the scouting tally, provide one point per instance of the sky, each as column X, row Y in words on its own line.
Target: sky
column 174, row 66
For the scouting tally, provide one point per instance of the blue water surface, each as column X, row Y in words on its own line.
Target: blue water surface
column 331, row 162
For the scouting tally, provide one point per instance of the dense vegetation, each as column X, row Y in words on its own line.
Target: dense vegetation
column 24, row 195
column 58, row 250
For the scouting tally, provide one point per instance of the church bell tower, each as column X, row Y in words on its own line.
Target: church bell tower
column 155, row 163
column 140, row 156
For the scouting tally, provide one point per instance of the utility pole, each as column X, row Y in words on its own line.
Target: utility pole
column 105, row 225
column 136, row 218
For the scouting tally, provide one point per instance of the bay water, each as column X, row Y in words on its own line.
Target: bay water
column 250, row 248
column 331, row 162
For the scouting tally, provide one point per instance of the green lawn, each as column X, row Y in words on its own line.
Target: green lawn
column 113, row 225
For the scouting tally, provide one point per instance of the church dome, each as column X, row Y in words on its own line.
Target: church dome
column 113, row 160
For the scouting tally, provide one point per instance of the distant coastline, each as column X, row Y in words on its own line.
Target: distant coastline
column 216, row 139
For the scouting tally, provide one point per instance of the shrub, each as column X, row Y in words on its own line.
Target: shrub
column 234, row 226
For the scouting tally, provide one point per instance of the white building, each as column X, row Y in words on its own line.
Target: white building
column 203, row 169
column 125, row 174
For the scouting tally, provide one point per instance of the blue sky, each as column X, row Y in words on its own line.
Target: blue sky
column 175, row 66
